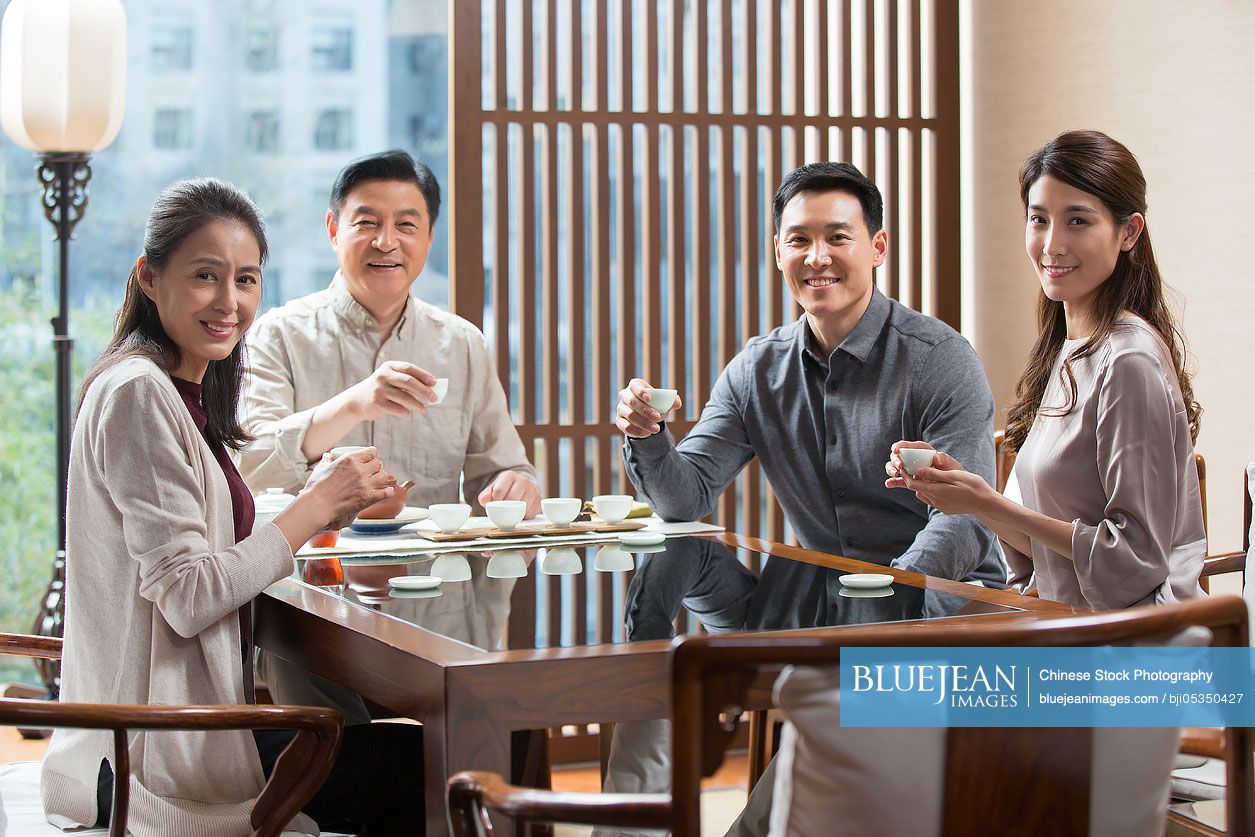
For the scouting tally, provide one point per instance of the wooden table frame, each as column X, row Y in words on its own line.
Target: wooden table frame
column 469, row 700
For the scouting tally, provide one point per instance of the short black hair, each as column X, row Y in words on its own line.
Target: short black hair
column 388, row 165
column 829, row 177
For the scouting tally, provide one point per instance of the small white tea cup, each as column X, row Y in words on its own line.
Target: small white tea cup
column 505, row 514
column 441, row 389
column 507, row 563
column 344, row 450
column 662, row 400
column 612, row 559
column 449, row 517
column 451, row 567
column 913, row 458
column 562, row 561
column 613, row 508
column 561, row 511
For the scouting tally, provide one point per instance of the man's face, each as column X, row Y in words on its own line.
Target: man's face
column 381, row 237
column 827, row 254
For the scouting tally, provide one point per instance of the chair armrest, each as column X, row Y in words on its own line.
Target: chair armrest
column 1228, row 562
column 26, row 645
column 298, row 773
column 473, row 793
column 1208, row 742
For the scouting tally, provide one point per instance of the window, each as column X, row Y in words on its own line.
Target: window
column 263, row 131
column 261, row 50
column 333, row 130
column 333, row 49
column 171, row 48
column 172, row 129
column 425, row 130
column 426, row 56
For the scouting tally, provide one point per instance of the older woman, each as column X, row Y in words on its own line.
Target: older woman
column 1103, row 506
column 162, row 558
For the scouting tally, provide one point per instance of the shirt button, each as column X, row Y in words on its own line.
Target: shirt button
column 832, row 385
column 849, row 541
column 841, row 492
column 832, row 440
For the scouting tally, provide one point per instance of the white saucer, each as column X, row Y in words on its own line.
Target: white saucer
column 397, row 593
column 855, row 593
column 642, row 538
column 415, row 582
column 409, row 514
column 866, row 581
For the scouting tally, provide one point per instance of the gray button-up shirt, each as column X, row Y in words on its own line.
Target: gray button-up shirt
column 315, row 347
column 822, row 428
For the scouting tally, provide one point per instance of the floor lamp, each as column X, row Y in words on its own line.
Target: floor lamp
column 62, row 95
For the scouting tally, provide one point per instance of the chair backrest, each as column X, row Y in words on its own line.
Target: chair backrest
column 1004, row 461
column 992, row 775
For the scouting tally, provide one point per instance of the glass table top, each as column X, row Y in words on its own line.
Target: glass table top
column 514, row 599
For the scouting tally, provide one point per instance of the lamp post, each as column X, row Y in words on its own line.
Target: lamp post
column 62, row 95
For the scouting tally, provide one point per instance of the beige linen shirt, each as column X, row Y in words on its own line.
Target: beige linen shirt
column 1120, row 466
column 311, row 349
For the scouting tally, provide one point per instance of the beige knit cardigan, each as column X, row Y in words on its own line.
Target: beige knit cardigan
column 154, row 580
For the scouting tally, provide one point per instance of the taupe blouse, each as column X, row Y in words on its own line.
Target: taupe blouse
column 1120, row 465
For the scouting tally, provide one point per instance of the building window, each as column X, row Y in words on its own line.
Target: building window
column 425, row 56
column 172, row 129
column 171, row 48
column 333, row 130
column 333, row 49
column 263, row 131
column 261, row 50
column 425, row 131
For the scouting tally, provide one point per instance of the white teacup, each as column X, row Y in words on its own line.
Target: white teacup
column 561, row 511
column 505, row 514
column 612, row 559
column 449, row 517
column 562, row 561
column 451, row 567
column 441, row 389
column 662, row 400
column 613, row 508
column 507, row 563
column 913, row 458
column 344, row 450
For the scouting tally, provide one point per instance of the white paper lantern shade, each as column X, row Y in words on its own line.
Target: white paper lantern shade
column 63, row 73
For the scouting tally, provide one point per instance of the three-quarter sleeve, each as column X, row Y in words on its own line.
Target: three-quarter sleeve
column 273, row 459
column 153, row 481
column 1123, row 557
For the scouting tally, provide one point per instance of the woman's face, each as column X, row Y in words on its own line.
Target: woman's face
column 1073, row 240
column 207, row 294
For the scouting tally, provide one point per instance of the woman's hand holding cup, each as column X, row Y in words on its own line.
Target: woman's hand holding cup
column 339, row 487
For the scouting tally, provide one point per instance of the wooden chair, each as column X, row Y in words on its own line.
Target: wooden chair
column 1227, row 562
column 298, row 774
column 1024, row 773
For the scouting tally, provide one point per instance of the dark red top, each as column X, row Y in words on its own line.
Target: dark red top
column 243, row 513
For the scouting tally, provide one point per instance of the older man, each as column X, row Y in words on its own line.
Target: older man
column 357, row 363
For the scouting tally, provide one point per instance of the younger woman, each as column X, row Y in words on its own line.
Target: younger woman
column 1103, row 505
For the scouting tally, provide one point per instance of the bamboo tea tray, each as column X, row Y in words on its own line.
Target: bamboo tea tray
column 529, row 530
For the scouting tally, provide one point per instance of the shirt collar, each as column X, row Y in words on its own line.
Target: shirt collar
column 859, row 342
column 343, row 303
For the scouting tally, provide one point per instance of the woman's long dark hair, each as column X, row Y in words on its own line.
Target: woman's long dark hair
column 1098, row 165
column 180, row 210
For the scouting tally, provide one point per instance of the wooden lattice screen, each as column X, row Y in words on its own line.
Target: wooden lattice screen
column 613, row 163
